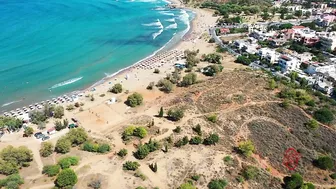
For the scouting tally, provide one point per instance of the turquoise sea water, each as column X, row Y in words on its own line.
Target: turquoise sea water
column 48, row 48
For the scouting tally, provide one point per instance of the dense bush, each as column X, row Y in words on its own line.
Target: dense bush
column 63, row 145
column 165, row 85
column 196, row 140
column 60, row 126
column 28, row 131
column 250, row 172
column 295, row 181
column 246, row 148
column 66, row 178
column 134, row 99
column 122, row 153
column 11, row 123
column 47, row 149
column 117, row 88
column 140, row 132
column 182, row 142
column 66, row 162
column 59, row 112
column 177, row 129
column 11, row 182
column 324, row 115
column 51, row 170
column 131, row 165
column 212, row 139
column 212, row 58
column 14, row 158
column 96, row 147
column 77, row 136
column 217, row 184
column 189, row 79
column 145, row 149
column 212, row 70
column 175, row 114
column 197, row 129
column 324, row 162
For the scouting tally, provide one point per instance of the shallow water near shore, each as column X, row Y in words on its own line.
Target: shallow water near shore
column 49, row 48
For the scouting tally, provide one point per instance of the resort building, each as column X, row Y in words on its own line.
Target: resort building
column 269, row 54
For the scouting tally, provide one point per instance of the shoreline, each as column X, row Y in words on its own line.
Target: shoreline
column 178, row 44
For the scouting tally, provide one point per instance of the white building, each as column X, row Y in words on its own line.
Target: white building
column 321, row 67
column 323, row 84
column 269, row 54
column 329, row 42
column 288, row 63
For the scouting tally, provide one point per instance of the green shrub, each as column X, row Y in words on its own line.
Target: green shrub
column 68, row 161
column 140, row 175
column 246, row 148
column 308, row 186
column 189, row 79
column 8, row 168
column 175, row 114
column 59, row 112
column 140, row 132
column 103, row 148
column 196, row 140
column 28, row 131
column 312, row 124
column 14, row 157
column 324, row 115
column 294, row 181
column 250, row 172
column 161, row 112
column 177, row 129
column 333, row 176
column 51, row 170
column 134, row 99
column 217, row 184
column 90, row 147
column 117, row 88
column 325, row 162
column 131, row 165
column 212, row 139
column 227, row 159
column 197, row 129
column 66, row 178
column 187, row 185
column 47, row 149
column 63, row 145
column 195, row 177
column 145, row 149
column 212, row 118
column 122, row 153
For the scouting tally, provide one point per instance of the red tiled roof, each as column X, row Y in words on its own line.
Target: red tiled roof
column 298, row 27
column 224, row 30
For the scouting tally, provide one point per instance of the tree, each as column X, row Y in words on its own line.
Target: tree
column 244, row 60
column 142, row 152
column 122, row 152
column 165, row 85
column 197, row 129
column 246, row 148
column 103, row 148
column 325, row 162
column 20, row 156
column 265, row 16
column 59, row 112
column 298, row 13
column 59, row 125
column 134, row 99
column 63, row 145
column 11, row 182
column 212, row 139
column 37, row 117
column 66, row 178
column 117, row 88
column 212, row 118
column 161, row 112
column 187, row 185
column 312, row 124
column 175, row 114
column 212, row 70
column 324, row 115
column 189, row 79
column 77, row 136
column 140, row 132
column 217, row 184
column 47, row 149
column 295, row 181
column 51, row 170
column 28, row 131
column 307, row 14
column 7, row 168
column 308, row 186
column 131, row 165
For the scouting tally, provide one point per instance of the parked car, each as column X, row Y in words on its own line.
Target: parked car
column 44, row 138
column 72, row 125
column 38, row 135
column 74, row 120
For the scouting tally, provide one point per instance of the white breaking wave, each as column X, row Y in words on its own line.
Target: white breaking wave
column 155, row 35
column 157, row 24
column 9, row 103
column 145, row 1
column 184, row 17
column 67, row 82
column 172, row 26
column 167, row 13
column 160, row 8
column 170, row 20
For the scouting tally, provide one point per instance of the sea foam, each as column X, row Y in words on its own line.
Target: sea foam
column 157, row 24
column 172, row 26
column 167, row 13
column 67, row 82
